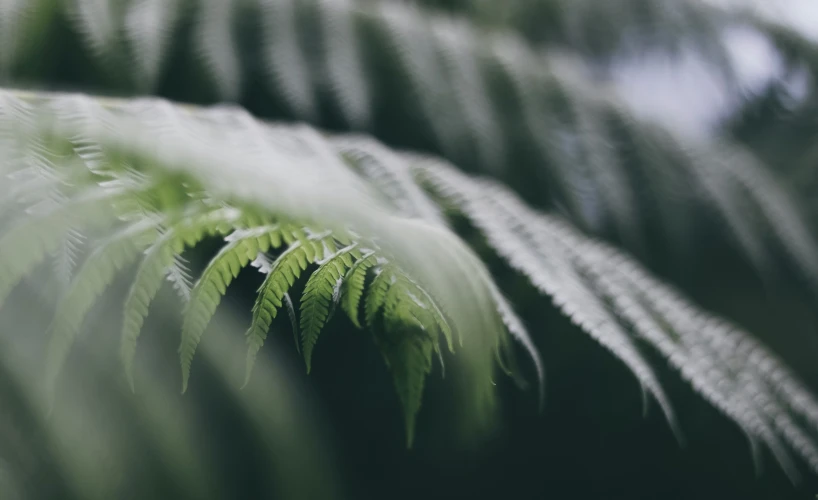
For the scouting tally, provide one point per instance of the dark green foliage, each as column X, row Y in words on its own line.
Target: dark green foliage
column 106, row 185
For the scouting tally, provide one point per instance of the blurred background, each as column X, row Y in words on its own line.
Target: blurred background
column 730, row 74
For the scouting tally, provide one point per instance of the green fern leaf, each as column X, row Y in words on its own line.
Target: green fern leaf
column 153, row 269
column 406, row 302
column 376, row 293
column 242, row 248
column 352, row 288
column 284, row 272
column 427, row 304
column 320, row 293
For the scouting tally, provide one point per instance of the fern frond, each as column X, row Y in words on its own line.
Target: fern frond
column 761, row 397
column 285, row 270
column 151, row 273
column 420, row 66
column 24, row 246
column 405, row 301
column 408, row 354
column 283, row 57
column 214, row 36
column 388, row 172
column 96, row 274
column 66, row 257
column 242, row 248
column 623, row 28
column 180, row 278
column 97, row 22
column 411, row 324
column 320, row 293
column 549, row 272
column 295, row 189
column 344, row 66
column 376, row 293
column 148, row 27
column 352, row 288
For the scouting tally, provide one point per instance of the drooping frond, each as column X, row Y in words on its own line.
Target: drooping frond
column 408, row 354
column 551, row 274
column 760, row 394
column 152, row 163
column 408, row 327
column 418, row 284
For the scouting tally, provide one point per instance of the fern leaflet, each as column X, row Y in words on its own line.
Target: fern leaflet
column 320, row 293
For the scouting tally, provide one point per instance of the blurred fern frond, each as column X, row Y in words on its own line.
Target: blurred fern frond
column 631, row 26
column 161, row 178
column 488, row 100
column 366, row 225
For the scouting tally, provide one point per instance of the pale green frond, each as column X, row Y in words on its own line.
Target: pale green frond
column 24, row 246
column 429, row 307
column 180, row 277
column 98, row 271
column 410, row 331
column 67, row 254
